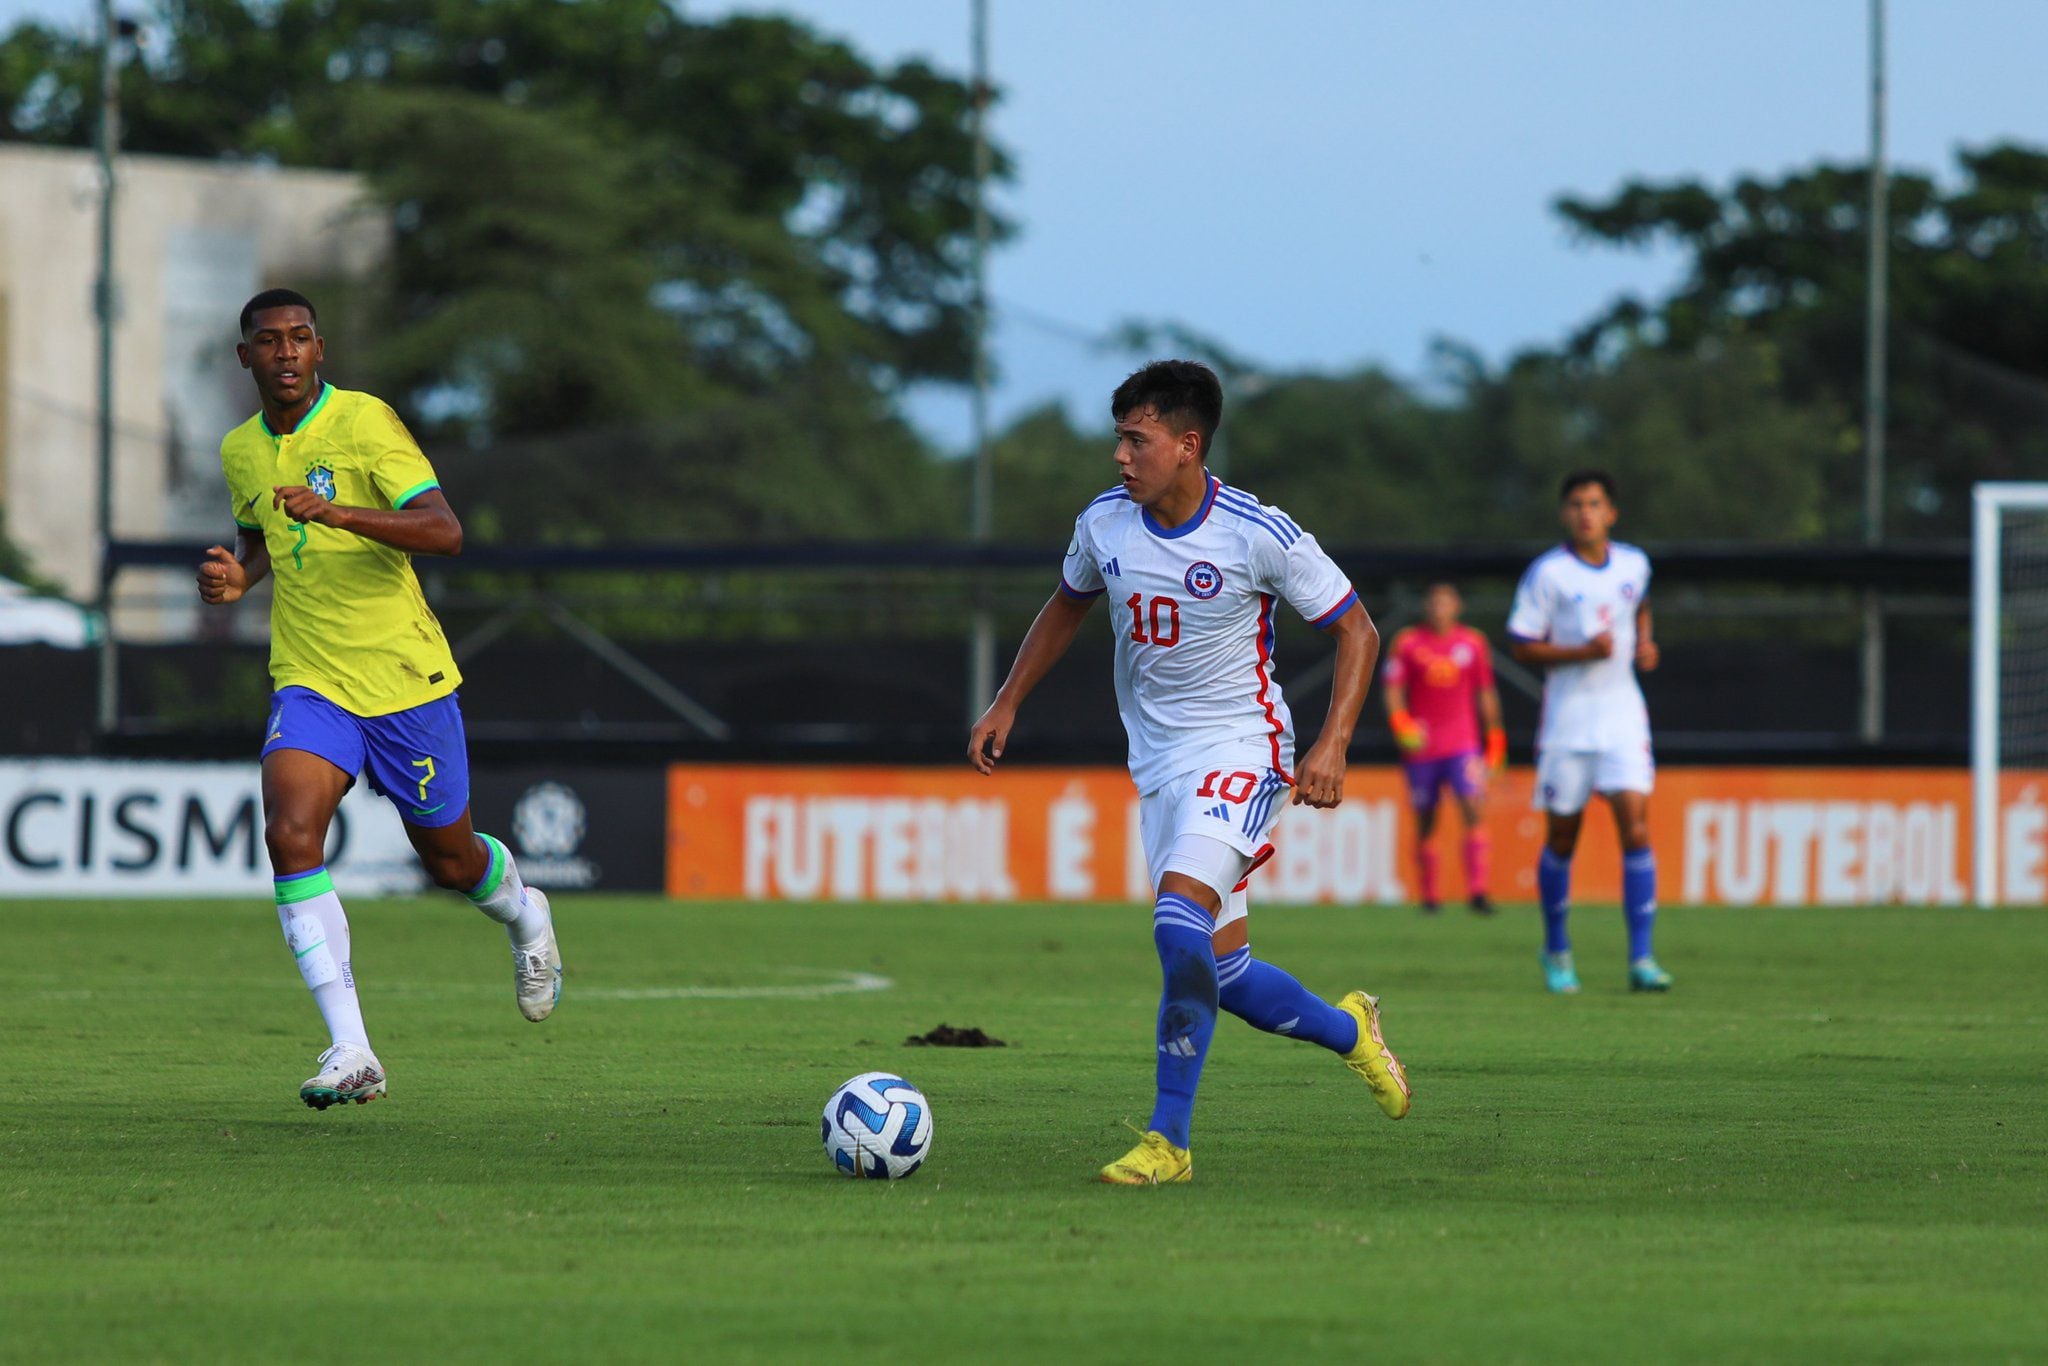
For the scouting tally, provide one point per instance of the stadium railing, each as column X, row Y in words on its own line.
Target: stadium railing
column 858, row 649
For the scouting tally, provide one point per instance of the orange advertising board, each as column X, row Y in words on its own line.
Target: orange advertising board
column 1727, row 836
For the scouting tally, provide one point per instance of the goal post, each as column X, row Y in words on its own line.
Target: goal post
column 2008, row 658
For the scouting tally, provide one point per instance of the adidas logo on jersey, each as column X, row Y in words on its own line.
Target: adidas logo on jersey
column 1110, row 569
column 1219, row 811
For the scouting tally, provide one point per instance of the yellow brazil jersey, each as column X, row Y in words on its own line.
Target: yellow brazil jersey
column 347, row 617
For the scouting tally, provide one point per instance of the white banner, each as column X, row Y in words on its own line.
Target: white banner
column 92, row 827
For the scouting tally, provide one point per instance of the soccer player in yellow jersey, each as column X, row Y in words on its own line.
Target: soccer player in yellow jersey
column 332, row 498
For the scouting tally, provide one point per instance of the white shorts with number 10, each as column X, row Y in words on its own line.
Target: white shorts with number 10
column 1214, row 825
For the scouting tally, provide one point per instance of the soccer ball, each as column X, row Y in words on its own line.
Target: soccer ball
column 878, row 1126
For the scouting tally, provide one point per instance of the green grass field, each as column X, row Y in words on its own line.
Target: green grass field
column 1831, row 1142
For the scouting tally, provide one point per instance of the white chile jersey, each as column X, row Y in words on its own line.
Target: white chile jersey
column 1595, row 706
column 1192, row 612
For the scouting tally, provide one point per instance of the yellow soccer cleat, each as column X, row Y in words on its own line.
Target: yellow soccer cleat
column 1154, row 1162
column 1372, row 1059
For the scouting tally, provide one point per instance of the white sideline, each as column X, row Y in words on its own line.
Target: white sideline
column 836, row 984
column 848, row 983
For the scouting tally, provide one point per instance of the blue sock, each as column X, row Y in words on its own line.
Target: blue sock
column 1266, row 998
column 1554, row 886
column 1182, row 931
column 1639, row 900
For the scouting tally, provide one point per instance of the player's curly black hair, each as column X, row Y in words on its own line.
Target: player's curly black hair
column 276, row 298
column 1578, row 479
column 1184, row 393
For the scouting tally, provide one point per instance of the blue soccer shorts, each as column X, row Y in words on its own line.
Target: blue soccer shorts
column 417, row 759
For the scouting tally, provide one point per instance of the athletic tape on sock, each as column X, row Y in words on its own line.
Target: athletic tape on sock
column 308, row 940
column 302, row 886
column 494, row 873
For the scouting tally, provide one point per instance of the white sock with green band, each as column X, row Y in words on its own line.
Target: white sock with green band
column 502, row 896
column 316, row 931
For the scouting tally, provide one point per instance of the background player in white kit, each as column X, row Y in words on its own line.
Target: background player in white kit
column 1582, row 611
column 1192, row 569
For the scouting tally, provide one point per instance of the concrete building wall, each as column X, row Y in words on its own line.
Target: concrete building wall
column 193, row 240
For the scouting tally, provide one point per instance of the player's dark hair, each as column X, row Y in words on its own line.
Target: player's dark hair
column 276, row 298
column 1578, row 479
column 1184, row 393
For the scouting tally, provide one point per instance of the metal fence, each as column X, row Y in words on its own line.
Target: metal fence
column 850, row 650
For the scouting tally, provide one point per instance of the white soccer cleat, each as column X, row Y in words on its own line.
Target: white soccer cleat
column 348, row 1072
column 537, row 972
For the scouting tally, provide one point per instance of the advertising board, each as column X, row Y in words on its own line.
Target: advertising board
column 91, row 827
column 1724, row 836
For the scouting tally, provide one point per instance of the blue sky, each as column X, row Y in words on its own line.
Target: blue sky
column 1328, row 184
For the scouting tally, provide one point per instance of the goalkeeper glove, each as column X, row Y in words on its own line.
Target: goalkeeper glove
column 1496, row 749
column 1408, row 733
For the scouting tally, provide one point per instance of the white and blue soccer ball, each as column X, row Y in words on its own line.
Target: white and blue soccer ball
column 878, row 1126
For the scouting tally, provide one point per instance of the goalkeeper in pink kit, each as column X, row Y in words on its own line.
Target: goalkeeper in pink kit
column 1438, row 686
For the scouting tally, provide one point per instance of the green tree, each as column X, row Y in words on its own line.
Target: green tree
column 822, row 466
column 1705, row 446
column 1045, row 472
column 1359, row 458
column 1783, row 261
column 606, row 214
column 518, row 302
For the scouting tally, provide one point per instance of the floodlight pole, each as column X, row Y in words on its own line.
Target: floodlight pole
column 981, row 658
column 104, row 309
column 1874, row 383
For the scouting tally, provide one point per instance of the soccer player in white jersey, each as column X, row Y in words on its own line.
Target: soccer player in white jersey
column 1582, row 612
column 1192, row 570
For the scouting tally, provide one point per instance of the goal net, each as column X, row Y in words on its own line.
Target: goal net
column 2008, row 686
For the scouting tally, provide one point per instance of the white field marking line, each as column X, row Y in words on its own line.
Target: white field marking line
column 838, row 984
column 846, row 984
